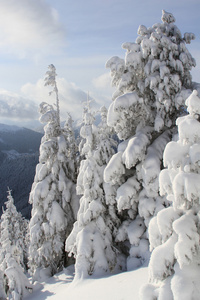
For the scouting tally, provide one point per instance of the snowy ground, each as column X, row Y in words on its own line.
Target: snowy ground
column 124, row 286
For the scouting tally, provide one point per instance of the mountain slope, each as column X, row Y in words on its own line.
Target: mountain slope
column 19, row 152
column 22, row 140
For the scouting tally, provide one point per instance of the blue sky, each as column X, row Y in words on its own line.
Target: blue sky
column 78, row 37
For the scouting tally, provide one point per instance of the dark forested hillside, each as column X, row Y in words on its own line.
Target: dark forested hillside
column 19, row 152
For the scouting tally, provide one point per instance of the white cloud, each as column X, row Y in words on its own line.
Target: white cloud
column 29, row 27
column 71, row 97
column 15, row 107
column 103, row 81
column 103, row 89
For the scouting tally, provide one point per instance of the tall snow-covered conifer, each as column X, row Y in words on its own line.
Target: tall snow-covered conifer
column 152, row 84
column 91, row 240
column 53, row 198
column 174, row 267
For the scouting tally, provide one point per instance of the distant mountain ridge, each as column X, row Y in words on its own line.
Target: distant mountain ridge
column 21, row 139
column 19, row 153
column 8, row 128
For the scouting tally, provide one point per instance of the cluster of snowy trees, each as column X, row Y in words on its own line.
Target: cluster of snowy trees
column 128, row 193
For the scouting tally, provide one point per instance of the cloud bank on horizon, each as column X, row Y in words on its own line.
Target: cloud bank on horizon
column 14, row 106
column 78, row 38
column 24, row 106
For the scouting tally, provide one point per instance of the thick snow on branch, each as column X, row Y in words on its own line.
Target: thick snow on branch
column 187, row 246
column 160, row 269
column 193, row 103
column 127, row 194
column 115, row 169
column 125, row 113
column 186, row 189
column 136, row 149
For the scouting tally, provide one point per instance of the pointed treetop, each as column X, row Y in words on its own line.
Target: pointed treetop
column 9, row 196
column 87, row 103
column 167, row 17
column 50, row 76
column 87, row 107
column 69, row 120
column 104, row 111
column 50, row 79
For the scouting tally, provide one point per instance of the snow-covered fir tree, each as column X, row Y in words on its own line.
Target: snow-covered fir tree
column 53, row 198
column 152, row 84
column 92, row 238
column 13, row 233
column 13, row 252
column 174, row 267
column 18, row 284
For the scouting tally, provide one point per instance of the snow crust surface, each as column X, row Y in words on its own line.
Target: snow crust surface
column 123, row 286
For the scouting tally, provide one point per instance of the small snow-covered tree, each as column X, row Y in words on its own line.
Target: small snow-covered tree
column 174, row 267
column 152, row 84
column 91, row 240
column 53, row 198
column 13, row 233
column 13, row 250
column 18, row 283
